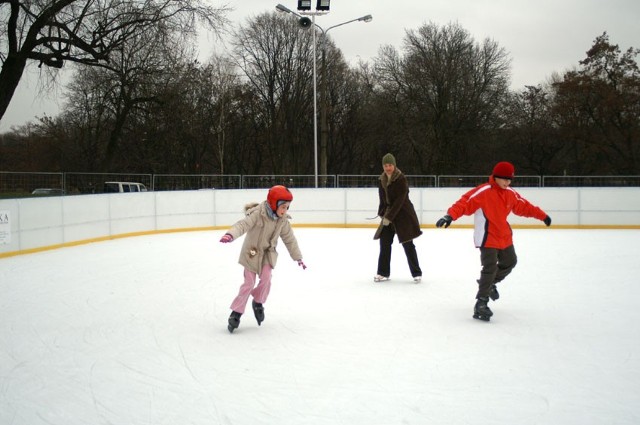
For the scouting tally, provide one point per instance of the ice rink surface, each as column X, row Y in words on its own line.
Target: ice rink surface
column 133, row 331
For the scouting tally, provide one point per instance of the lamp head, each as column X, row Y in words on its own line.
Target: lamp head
column 305, row 22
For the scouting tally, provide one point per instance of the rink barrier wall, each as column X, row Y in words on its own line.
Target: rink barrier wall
column 35, row 224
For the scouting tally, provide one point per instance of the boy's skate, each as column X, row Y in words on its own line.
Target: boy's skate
column 380, row 278
column 234, row 321
column 493, row 294
column 258, row 311
column 481, row 311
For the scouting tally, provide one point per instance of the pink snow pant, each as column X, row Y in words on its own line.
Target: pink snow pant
column 259, row 293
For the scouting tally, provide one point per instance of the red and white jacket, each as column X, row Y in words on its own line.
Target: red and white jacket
column 491, row 205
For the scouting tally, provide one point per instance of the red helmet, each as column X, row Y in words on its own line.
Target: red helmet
column 276, row 194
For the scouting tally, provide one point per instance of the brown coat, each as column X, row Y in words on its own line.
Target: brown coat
column 396, row 206
column 262, row 234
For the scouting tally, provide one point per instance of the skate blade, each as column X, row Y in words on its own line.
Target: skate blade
column 258, row 312
column 483, row 318
column 231, row 329
column 259, row 317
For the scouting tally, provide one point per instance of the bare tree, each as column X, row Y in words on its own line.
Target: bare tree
column 223, row 81
column 104, row 101
column 445, row 90
column 85, row 121
column 275, row 55
column 52, row 32
column 598, row 109
column 195, row 113
column 347, row 102
column 530, row 131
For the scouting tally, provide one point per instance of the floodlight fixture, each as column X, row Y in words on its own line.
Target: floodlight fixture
column 323, row 5
column 304, row 4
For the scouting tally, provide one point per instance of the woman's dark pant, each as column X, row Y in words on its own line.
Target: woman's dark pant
column 496, row 265
column 384, row 259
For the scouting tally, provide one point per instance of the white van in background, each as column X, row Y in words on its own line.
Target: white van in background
column 119, row 187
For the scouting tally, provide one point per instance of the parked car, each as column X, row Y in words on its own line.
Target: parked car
column 119, row 187
column 48, row 192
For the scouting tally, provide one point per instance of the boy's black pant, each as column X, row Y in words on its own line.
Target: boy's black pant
column 496, row 265
column 384, row 259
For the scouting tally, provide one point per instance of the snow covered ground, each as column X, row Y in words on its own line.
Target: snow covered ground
column 133, row 331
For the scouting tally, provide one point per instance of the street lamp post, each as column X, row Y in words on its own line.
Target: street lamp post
column 323, row 113
column 324, row 128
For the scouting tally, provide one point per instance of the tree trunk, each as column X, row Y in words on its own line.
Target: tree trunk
column 10, row 76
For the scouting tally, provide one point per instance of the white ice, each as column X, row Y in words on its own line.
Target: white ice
column 133, row 331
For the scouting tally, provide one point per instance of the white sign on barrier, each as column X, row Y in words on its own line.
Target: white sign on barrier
column 5, row 228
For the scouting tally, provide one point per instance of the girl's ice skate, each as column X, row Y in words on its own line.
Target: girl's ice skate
column 234, row 321
column 258, row 311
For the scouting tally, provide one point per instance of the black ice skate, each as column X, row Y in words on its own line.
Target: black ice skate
column 258, row 311
column 234, row 321
column 494, row 295
column 482, row 311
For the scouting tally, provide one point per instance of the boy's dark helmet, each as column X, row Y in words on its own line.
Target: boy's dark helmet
column 278, row 193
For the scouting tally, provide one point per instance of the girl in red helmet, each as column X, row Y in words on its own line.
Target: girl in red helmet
column 491, row 203
column 264, row 224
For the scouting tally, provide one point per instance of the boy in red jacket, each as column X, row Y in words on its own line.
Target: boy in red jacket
column 491, row 203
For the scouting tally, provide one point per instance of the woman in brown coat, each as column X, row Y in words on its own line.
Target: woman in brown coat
column 398, row 216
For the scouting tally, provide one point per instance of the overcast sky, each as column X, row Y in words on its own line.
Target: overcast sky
column 541, row 36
